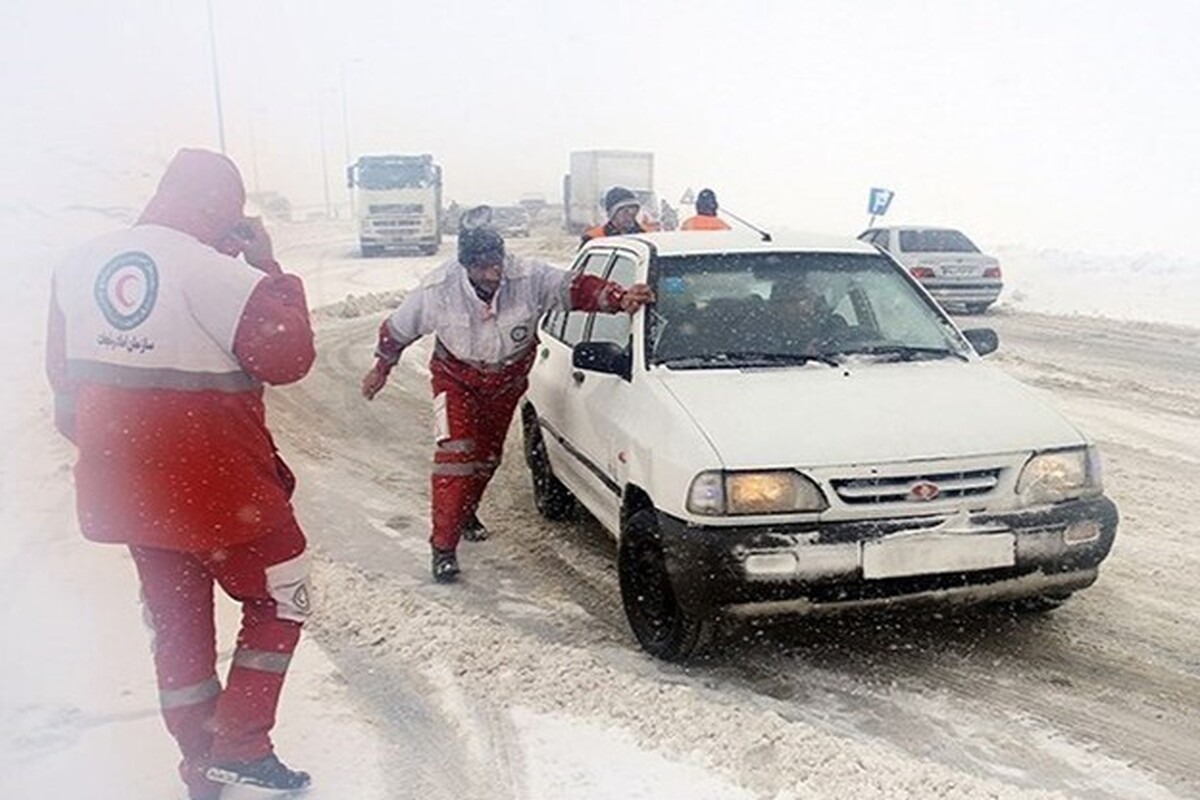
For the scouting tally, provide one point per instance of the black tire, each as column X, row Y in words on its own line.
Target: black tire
column 662, row 627
column 371, row 250
column 977, row 308
column 429, row 250
column 553, row 500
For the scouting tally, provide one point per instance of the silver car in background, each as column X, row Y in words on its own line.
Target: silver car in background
column 945, row 262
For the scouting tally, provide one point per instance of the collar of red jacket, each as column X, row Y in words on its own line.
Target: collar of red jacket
column 201, row 194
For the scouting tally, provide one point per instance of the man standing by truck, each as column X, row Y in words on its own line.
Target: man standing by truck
column 622, row 207
column 483, row 309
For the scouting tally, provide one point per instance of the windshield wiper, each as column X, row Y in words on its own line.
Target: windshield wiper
column 747, row 358
column 903, row 352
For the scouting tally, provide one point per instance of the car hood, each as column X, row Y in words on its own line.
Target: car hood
column 816, row 415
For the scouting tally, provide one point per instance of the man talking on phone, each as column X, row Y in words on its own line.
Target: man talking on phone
column 160, row 340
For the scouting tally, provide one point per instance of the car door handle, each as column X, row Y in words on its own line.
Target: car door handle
column 577, row 376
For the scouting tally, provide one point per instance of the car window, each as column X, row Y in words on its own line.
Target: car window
column 595, row 264
column 616, row 327
column 936, row 241
column 787, row 304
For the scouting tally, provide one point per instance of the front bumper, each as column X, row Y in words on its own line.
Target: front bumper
column 956, row 291
column 814, row 568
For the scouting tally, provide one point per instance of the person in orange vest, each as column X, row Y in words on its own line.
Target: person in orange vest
column 706, row 218
column 622, row 207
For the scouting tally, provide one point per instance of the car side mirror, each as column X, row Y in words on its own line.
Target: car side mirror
column 984, row 340
column 608, row 358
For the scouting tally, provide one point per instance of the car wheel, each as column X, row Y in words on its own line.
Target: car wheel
column 977, row 308
column 662, row 627
column 371, row 250
column 553, row 500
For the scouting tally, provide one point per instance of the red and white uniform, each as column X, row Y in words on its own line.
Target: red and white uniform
column 479, row 368
column 158, row 348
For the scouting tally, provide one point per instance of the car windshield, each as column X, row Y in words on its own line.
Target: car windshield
column 774, row 309
column 936, row 241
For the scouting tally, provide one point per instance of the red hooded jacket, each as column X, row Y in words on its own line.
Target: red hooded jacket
column 157, row 350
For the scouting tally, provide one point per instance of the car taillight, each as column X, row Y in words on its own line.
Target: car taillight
column 921, row 272
column 992, row 272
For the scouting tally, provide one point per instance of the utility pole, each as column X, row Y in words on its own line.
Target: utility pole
column 216, row 73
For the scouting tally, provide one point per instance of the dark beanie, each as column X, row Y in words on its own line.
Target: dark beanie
column 480, row 246
column 706, row 202
column 619, row 197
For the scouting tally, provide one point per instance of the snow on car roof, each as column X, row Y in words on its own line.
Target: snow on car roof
column 674, row 243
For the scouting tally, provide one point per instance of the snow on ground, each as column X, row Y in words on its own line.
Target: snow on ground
column 78, row 702
column 1149, row 287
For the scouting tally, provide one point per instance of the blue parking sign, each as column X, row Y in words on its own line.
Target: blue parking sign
column 880, row 199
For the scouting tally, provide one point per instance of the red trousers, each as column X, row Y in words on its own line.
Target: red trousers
column 472, row 411
column 269, row 576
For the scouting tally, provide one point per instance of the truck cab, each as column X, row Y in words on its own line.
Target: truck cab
column 397, row 203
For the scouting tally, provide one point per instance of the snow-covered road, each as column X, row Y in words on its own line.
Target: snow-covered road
column 1099, row 699
column 522, row 682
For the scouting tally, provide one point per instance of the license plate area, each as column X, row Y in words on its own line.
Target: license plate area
column 929, row 553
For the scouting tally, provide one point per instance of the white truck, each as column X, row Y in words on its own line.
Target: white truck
column 397, row 202
column 594, row 172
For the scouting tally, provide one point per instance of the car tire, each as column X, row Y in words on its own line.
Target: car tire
column 977, row 308
column 553, row 500
column 662, row 627
column 371, row 250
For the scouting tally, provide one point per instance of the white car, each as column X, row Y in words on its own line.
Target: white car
column 796, row 428
column 946, row 263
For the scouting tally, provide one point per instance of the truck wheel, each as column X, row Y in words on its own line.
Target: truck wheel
column 553, row 500
column 371, row 250
column 662, row 627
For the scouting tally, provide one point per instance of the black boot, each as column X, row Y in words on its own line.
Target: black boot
column 267, row 772
column 445, row 566
column 474, row 531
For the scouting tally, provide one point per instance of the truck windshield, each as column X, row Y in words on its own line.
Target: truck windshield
column 380, row 175
column 762, row 308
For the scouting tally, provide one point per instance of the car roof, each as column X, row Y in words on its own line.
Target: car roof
column 680, row 243
column 914, row 228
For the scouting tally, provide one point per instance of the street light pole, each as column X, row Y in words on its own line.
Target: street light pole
column 212, row 49
column 346, row 123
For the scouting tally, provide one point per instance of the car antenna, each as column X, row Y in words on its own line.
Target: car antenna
column 766, row 237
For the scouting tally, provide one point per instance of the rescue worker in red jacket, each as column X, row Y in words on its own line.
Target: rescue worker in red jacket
column 622, row 207
column 483, row 309
column 706, row 218
column 160, row 341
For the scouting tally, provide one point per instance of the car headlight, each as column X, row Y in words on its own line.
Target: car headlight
column 1060, row 475
column 717, row 493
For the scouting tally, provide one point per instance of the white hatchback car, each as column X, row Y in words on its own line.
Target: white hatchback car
column 795, row 428
column 945, row 262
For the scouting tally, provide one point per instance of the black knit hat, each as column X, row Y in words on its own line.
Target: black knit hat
column 706, row 202
column 477, row 246
column 619, row 197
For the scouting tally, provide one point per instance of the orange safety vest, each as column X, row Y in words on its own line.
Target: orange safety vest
column 703, row 222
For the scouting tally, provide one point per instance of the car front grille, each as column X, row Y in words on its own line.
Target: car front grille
column 916, row 488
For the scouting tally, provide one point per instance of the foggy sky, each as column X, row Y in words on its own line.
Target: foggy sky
column 1058, row 124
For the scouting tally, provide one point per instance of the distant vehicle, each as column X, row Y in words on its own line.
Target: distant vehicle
column 511, row 220
column 945, row 261
column 397, row 202
column 594, row 172
column 796, row 428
